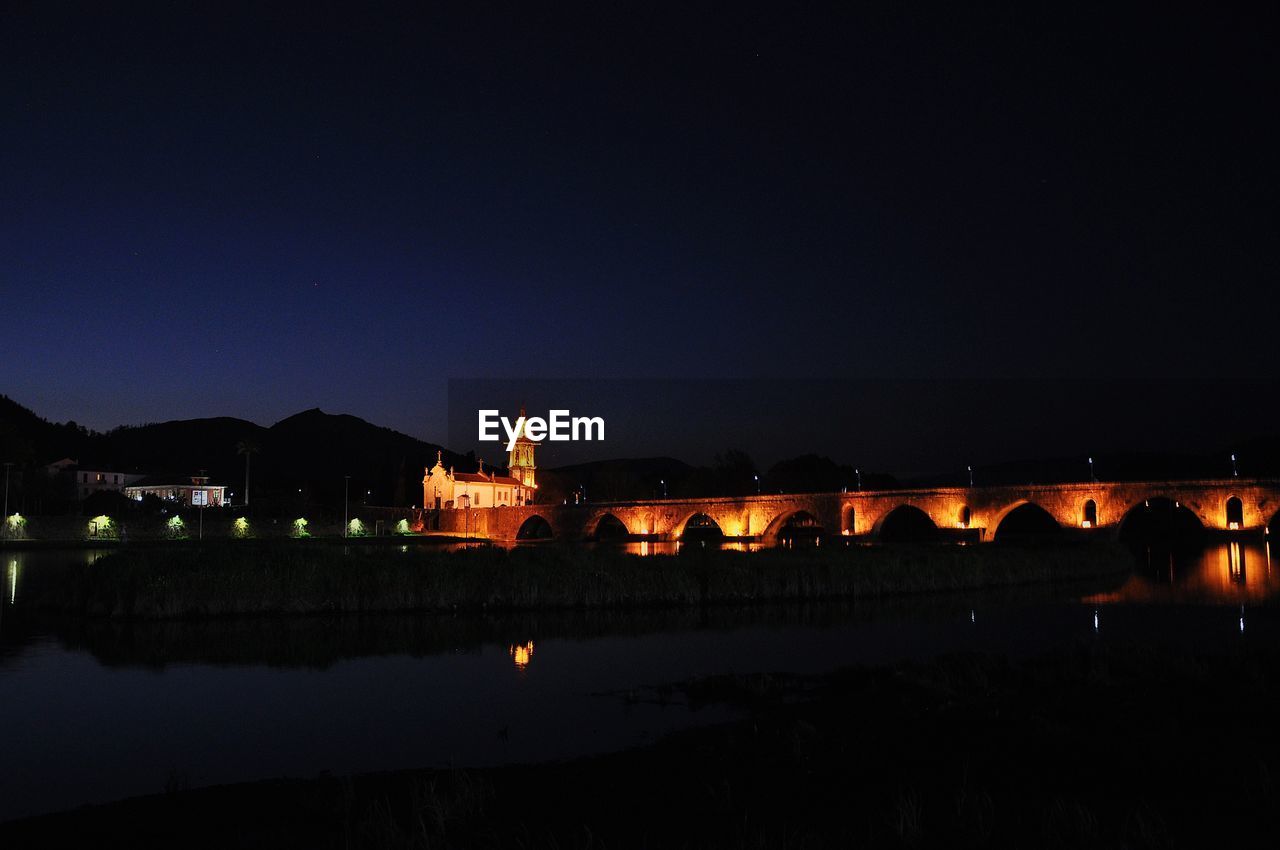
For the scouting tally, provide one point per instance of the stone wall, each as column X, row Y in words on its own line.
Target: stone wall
column 862, row 514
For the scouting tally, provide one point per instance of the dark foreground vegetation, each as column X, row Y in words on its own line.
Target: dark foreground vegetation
column 300, row 578
column 1090, row 747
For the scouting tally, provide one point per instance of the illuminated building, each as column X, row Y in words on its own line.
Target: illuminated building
column 444, row 488
column 193, row 491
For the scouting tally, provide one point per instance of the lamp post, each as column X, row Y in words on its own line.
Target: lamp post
column 8, row 464
column 663, row 482
column 466, row 516
column 971, row 477
column 1235, row 473
column 346, row 482
column 1092, row 477
column 858, row 474
column 757, row 477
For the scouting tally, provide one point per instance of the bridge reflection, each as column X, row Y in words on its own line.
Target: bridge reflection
column 1233, row 571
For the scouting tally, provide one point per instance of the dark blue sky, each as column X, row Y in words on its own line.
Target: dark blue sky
column 215, row 210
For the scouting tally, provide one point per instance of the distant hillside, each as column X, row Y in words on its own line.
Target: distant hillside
column 27, row 439
column 299, row 462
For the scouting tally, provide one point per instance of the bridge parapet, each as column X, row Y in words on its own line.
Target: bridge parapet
column 1250, row 504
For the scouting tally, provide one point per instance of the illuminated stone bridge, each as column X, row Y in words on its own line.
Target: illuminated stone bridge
column 976, row 513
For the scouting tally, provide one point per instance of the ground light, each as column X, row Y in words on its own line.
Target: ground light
column 240, row 528
column 101, row 526
column 15, row 526
column 175, row 528
column 300, row 528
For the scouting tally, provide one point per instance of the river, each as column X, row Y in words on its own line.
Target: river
column 98, row 711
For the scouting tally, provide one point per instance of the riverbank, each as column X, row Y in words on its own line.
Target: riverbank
column 222, row 579
column 1094, row 746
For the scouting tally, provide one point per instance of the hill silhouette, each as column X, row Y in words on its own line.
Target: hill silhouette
column 299, row 461
column 299, row 464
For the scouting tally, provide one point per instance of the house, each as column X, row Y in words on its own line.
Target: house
column 91, row 478
column 192, row 491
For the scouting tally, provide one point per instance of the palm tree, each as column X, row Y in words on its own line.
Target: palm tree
column 247, row 448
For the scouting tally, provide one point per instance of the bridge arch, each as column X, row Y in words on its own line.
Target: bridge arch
column 905, row 523
column 848, row 520
column 790, row 523
column 698, row 526
column 1161, row 516
column 1024, row 518
column 535, row 527
column 606, row 525
column 1234, row 512
column 1089, row 514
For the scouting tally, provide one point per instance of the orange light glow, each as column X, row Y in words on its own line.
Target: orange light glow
column 521, row 654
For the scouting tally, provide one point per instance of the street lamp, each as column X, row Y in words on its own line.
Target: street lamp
column 8, row 464
column 971, row 477
column 1092, row 477
column 757, row 477
column 346, row 481
column 858, row 474
column 663, row 482
column 1235, row 473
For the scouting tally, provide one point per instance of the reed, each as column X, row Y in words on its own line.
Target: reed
column 298, row 577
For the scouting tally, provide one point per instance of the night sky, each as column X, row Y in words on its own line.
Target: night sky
column 219, row 210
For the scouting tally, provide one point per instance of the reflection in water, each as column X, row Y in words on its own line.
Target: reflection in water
column 1230, row 572
column 675, row 547
column 254, row 695
column 521, row 654
column 1235, row 562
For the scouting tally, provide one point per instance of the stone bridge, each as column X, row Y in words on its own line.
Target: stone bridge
column 975, row 513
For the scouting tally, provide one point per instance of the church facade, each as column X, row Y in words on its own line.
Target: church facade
column 444, row 488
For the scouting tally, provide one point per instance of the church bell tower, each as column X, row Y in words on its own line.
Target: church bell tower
column 520, row 462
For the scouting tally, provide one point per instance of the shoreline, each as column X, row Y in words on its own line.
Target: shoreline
column 270, row 579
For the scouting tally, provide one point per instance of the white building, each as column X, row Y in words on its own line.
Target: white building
column 195, row 491
column 90, row 481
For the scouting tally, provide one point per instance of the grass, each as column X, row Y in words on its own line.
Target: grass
column 230, row 579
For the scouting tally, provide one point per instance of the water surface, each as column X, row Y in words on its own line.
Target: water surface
column 95, row 711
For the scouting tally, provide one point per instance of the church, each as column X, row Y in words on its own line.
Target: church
column 444, row 488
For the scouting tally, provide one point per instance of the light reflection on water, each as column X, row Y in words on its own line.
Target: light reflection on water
column 254, row 698
column 1231, row 572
